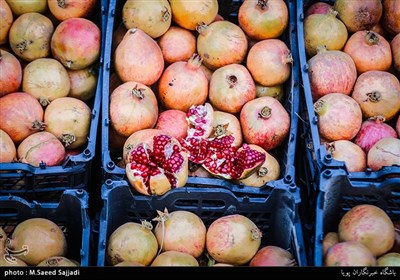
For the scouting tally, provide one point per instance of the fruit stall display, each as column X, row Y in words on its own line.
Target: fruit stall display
column 45, row 234
column 50, row 94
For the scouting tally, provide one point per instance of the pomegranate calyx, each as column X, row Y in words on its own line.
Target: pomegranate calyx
column 332, row 12
column 44, row 101
column 265, row 112
column 195, row 61
column 262, row 171
column 67, row 139
column 146, row 224
column 62, row 4
column 262, row 4
column 38, row 125
column 202, row 27
column 256, row 234
column 138, row 92
column 371, row 38
column 378, row 119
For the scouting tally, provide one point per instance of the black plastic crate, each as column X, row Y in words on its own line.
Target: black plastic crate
column 70, row 214
column 284, row 154
column 275, row 215
column 42, row 183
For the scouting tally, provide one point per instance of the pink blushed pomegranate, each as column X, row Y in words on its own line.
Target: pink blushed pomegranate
column 385, row 152
column 318, row 8
column 83, row 83
column 6, row 22
column 273, row 256
column 350, row 253
column 10, row 73
column 177, row 44
column 66, row 9
column 173, row 122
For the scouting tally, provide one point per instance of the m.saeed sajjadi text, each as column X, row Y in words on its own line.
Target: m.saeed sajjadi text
column 41, row 272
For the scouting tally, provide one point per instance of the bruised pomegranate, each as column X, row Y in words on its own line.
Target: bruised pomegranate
column 265, row 122
column 181, row 231
column 41, row 148
column 368, row 225
column 276, row 92
column 231, row 87
column 350, row 253
column 83, row 83
column 225, row 124
column 173, row 258
column 233, row 239
column 133, row 106
column 132, row 242
column 6, row 21
column 10, row 73
column 273, row 256
column 353, row 156
column 37, row 239
column 58, row 261
column 391, row 259
column 183, row 84
column 20, row 7
column 200, row 119
column 66, row 9
column 385, row 152
column 158, row 168
column 330, row 239
column 395, row 46
column 141, row 136
column 173, row 122
column 318, row 8
column 391, row 16
column 8, row 152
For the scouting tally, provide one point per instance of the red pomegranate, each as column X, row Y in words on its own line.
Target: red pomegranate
column 177, row 44
column 76, row 43
column 265, row 122
column 8, row 153
column 395, row 45
column 391, row 16
column 183, row 84
column 231, row 87
column 66, row 9
column 6, row 22
column 318, row 8
column 225, row 124
column 10, row 73
column 273, row 256
column 269, row 62
column 21, row 115
column 353, row 156
column 83, row 83
column 385, row 152
column 173, row 258
column 350, row 253
column 173, row 122
column 133, row 106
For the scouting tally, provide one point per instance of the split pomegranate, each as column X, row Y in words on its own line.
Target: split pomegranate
column 225, row 124
column 177, row 44
column 180, row 231
column 331, row 71
column 263, row 19
column 276, row 92
column 158, row 168
column 200, row 119
column 265, row 122
column 21, row 115
column 233, row 239
column 58, row 261
column 69, row 120
column 132, row 242
column 353, row 156
column 378, row 94
column 221, row 43
column 83, row 83
column 391, row 259
column 8, row 152
column 41, row 148
column 133, row 106
column 330, row 239
column 369, row 225
column 385, row 152
column 318, row 8
column 66, row 9
column 395, row 46
column 273, row 256
column 183, row 84
column 173, row 258
column 231, row 87
column 10, row 73
column 373, row 130
column 339, row 117
column 350, row 253
column 269, row 62
column 46, row 80
column 391, row 16
column 173, row 122
column 6, row 21
column 76, row 43
column 20, row 7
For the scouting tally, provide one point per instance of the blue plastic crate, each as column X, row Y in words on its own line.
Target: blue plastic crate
column 275, row 215
column 338, row 194
column 70, row 214
column 285, row 153
column 44, row 183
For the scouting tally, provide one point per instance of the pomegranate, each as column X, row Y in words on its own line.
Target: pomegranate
column 58, row 261
column 331, row 71
column 233, row 239
column 368, row 225
column 183, row 84
column 20, row 7
column 276, row 92
column 6, row 21
column 158, row 168
column 391, row 259
column 37, row 239
column 350, row 253
column 378, row 94
column 21, row 115
column 66, row 9
column 263, row 19
column 339, row 117
column 324, row 30
column 225, row 124
column 221, row 264
column 173, row 258
column 129, row 263
column 177, row 44
column 46, row 80
column 318, row 8
column 114, row 82
column 268, row 171
column 353, row 156
column 76, row 43
column 180, row 231
column 269, row 62
column 395, row 46
column 69, row 120
column 396, row 245
column 330, row 239
column 30, row 36
column 391, row 16
column 6, row 259
column 173, row 122
column 206, row 72
column 273, row 256
column 218, row 17
column 359, row 15
column 133, row 106
column 132, row 242
column 188, row 14
column 141, row 136
column 373, row 130
column 10, row 73
column 83, row 83
column 138, row 58
column 41, row 148
column 221, row 43
column 231, row 87
column 385, row 152
column 265, row 122
column 378, row 28
column 154, row 19
column 8, row 152
column 196, row 170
